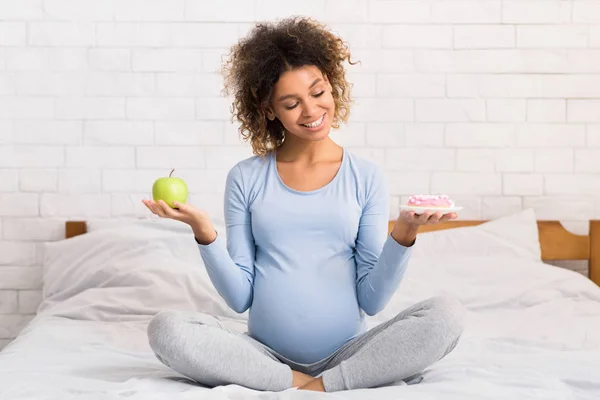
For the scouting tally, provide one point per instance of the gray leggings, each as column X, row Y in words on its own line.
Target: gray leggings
column 201, row 348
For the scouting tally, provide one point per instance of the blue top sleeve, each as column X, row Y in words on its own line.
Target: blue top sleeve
column 231, row 268
column 380, row 260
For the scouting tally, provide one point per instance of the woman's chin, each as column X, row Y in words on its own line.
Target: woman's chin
column 315, row 136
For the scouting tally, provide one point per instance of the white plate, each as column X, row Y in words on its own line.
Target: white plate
column 420, row 210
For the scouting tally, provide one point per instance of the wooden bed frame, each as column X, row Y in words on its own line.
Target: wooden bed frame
column 556, row 242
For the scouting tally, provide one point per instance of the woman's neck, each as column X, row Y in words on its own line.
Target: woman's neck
column 293, row 150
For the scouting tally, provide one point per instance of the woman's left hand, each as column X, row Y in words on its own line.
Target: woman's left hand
column 427, row 218
column 407, row 225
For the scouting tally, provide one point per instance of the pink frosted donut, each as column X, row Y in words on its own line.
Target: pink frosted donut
column 432, row 201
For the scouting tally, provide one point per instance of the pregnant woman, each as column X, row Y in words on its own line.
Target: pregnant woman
column 307, row 248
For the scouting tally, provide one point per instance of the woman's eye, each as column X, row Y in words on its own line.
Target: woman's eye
column 294, row 105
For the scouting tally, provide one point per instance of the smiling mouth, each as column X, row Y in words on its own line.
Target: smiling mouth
column 315, row 124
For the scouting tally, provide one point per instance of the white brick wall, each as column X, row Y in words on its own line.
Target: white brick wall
column 496, row 103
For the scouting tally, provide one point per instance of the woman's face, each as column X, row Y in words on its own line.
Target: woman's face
column 303, row 102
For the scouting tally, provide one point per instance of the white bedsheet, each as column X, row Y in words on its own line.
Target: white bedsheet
column 533, row 332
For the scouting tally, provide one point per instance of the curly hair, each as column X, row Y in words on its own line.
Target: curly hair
column 258, row 60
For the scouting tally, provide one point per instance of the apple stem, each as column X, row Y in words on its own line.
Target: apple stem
column 171, row 172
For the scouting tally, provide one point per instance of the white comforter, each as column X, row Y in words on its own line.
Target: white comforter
column 533, row 332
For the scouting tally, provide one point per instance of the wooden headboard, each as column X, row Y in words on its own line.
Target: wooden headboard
column 556, row 242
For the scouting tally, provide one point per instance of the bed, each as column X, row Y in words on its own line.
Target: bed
column 533, row 329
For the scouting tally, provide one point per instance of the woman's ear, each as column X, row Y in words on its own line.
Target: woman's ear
column 269, row 113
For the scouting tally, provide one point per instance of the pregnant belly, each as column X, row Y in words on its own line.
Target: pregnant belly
column 307, row 321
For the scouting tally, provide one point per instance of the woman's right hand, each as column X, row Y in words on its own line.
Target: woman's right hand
column 198, row 220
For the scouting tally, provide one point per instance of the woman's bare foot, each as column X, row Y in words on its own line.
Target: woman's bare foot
column 300, row 379
column 315, row 384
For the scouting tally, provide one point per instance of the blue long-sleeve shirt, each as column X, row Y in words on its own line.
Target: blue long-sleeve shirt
column 309, row 265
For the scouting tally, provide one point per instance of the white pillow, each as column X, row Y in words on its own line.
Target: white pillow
column 167, row 224
column 514, row 235
column 93, row 225
column 127, row 273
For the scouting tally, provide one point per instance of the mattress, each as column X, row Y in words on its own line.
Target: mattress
column 532, row 332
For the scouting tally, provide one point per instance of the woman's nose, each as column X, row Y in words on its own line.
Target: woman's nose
column 310, row 109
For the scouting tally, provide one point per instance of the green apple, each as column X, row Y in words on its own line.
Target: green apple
column 170, row 189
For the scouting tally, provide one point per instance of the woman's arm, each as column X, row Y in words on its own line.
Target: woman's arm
column 231, row 266
column 381, row 258
column 404, row 233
